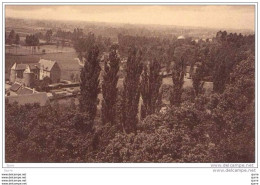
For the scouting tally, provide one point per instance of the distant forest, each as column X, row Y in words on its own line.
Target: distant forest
column 112, row 30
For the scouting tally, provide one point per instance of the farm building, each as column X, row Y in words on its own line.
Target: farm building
column 50, row 69
column 19, row 89
column 28, row 73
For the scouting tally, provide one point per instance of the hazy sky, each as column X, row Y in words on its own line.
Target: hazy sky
column 235, row 17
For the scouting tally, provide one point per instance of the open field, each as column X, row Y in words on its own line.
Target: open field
column 187, row 82
column 167, row 81
column 27, row 50
column 208, row 86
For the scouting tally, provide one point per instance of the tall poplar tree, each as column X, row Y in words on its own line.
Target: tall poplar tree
column 131, row 92
column 178, row 81
column 197, row 80
column 109, row 87
column 89, row 84
column 150, row 88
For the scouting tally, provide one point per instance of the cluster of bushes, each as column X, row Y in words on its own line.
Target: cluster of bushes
column 213, row 129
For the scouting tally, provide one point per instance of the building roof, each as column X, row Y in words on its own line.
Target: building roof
column 14, row 66
column 25, row 90
column 15, row 87
column 27, row 69
column 32, row 66
column 40, row 98
column 47, row 64
column 20, row 66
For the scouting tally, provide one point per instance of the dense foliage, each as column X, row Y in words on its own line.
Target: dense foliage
column 196, row 126
column 32, row 40
column 178, row 76
column 131, row 92
column 89, row 83
column 109, row 87
column 46, row 134
column 150, row 88
column 48, row 35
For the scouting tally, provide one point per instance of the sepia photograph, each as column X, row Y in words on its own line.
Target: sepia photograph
column 129, row 83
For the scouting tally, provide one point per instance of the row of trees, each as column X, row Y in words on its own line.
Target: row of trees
column 150, row 84
column 12, row 38
column 31, row 39
column 139, row 80
column 217, row 127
